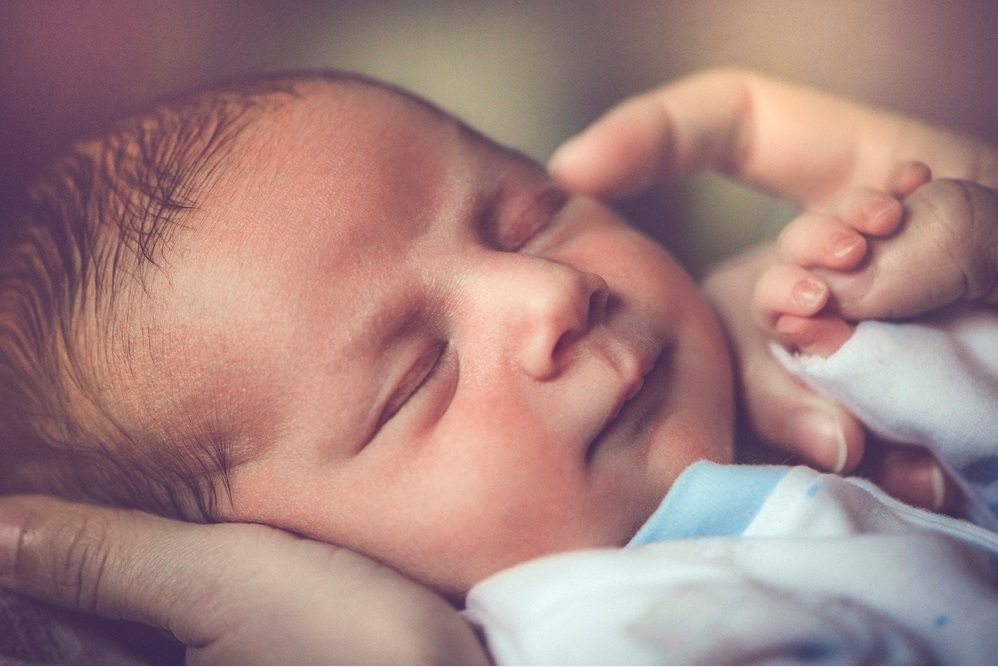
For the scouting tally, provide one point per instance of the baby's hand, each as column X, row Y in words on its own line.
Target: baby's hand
column 793, row 297
column 879, row 259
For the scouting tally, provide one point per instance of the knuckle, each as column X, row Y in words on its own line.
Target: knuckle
column 66, row 557
column 964, row 219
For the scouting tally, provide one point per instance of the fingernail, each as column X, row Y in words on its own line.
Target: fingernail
column 938, row 488
column 12, row 517
column 810, row 294
column 843, row 244
column 820, row 431
column 879, row 208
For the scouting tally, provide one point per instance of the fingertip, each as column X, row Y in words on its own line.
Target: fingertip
column 915, row 477
column 12, row 517
column 786, row 289
column 821, row 436
column 817, row 239
column 875, row 213
column 810, row 294
column 582, row 165
column 821, row 335
column 568, row 159
column 908, row 177
column 938, row 486
column 623, row 152
column 845, row 249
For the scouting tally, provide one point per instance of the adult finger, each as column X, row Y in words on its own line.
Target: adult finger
column 233, row 593
column 787, row 139
column 781, row 410
column 910, row 474
column 114, row 563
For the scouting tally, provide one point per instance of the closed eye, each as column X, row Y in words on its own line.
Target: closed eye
column 515, row 226
column 419, row 374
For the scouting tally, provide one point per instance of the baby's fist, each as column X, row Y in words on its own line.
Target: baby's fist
column 944, row 251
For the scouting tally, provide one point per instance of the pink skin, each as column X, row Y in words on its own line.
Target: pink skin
column 431, row 355
column 794, row 299
column 812, row 149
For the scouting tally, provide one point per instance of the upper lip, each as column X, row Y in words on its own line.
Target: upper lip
column 634, row 368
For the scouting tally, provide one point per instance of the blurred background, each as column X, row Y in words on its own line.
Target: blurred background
column 528, row 73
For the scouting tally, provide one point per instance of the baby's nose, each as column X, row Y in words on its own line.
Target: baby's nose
column 558, row 310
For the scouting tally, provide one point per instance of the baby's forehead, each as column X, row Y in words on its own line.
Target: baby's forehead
column 346, row 101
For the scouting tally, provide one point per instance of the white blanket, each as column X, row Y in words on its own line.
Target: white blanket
column 933, row 383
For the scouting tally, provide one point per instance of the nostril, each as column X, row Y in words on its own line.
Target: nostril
column 597, row 307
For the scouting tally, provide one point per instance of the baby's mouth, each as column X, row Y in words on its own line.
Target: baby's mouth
column 628, row 416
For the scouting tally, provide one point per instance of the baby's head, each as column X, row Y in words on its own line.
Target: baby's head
column 322, row 304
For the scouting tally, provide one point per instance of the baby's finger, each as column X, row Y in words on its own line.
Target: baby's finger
column 871, row 212
column 820, row 335
column 787, row 289
column 908, row 177
column 817, row 239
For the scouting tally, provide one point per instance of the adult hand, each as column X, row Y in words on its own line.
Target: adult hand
column 232, row 593
column 796, row 143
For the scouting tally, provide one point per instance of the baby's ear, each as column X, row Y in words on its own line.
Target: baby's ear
column 820, row 335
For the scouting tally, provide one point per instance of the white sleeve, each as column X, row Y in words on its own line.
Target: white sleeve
column 932, row 383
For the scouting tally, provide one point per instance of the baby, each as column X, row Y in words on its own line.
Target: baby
column 319, row 303
column 324, row 305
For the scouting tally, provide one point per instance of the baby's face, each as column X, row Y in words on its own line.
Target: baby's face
column 423, row 350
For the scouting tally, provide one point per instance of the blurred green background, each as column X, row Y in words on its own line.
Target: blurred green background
column 528, row 73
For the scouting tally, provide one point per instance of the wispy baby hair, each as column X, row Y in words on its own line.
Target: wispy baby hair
column 87, row 236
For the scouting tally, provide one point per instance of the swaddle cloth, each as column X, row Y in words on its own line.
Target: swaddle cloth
column 757, row 565
column 933, row 382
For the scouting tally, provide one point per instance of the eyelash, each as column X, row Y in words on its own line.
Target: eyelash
column 418, row 376
column 514, row 232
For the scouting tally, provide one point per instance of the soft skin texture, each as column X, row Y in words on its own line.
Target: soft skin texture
column 234, row 594
column 805, row 146
column 96, row 578
column 430, row 336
